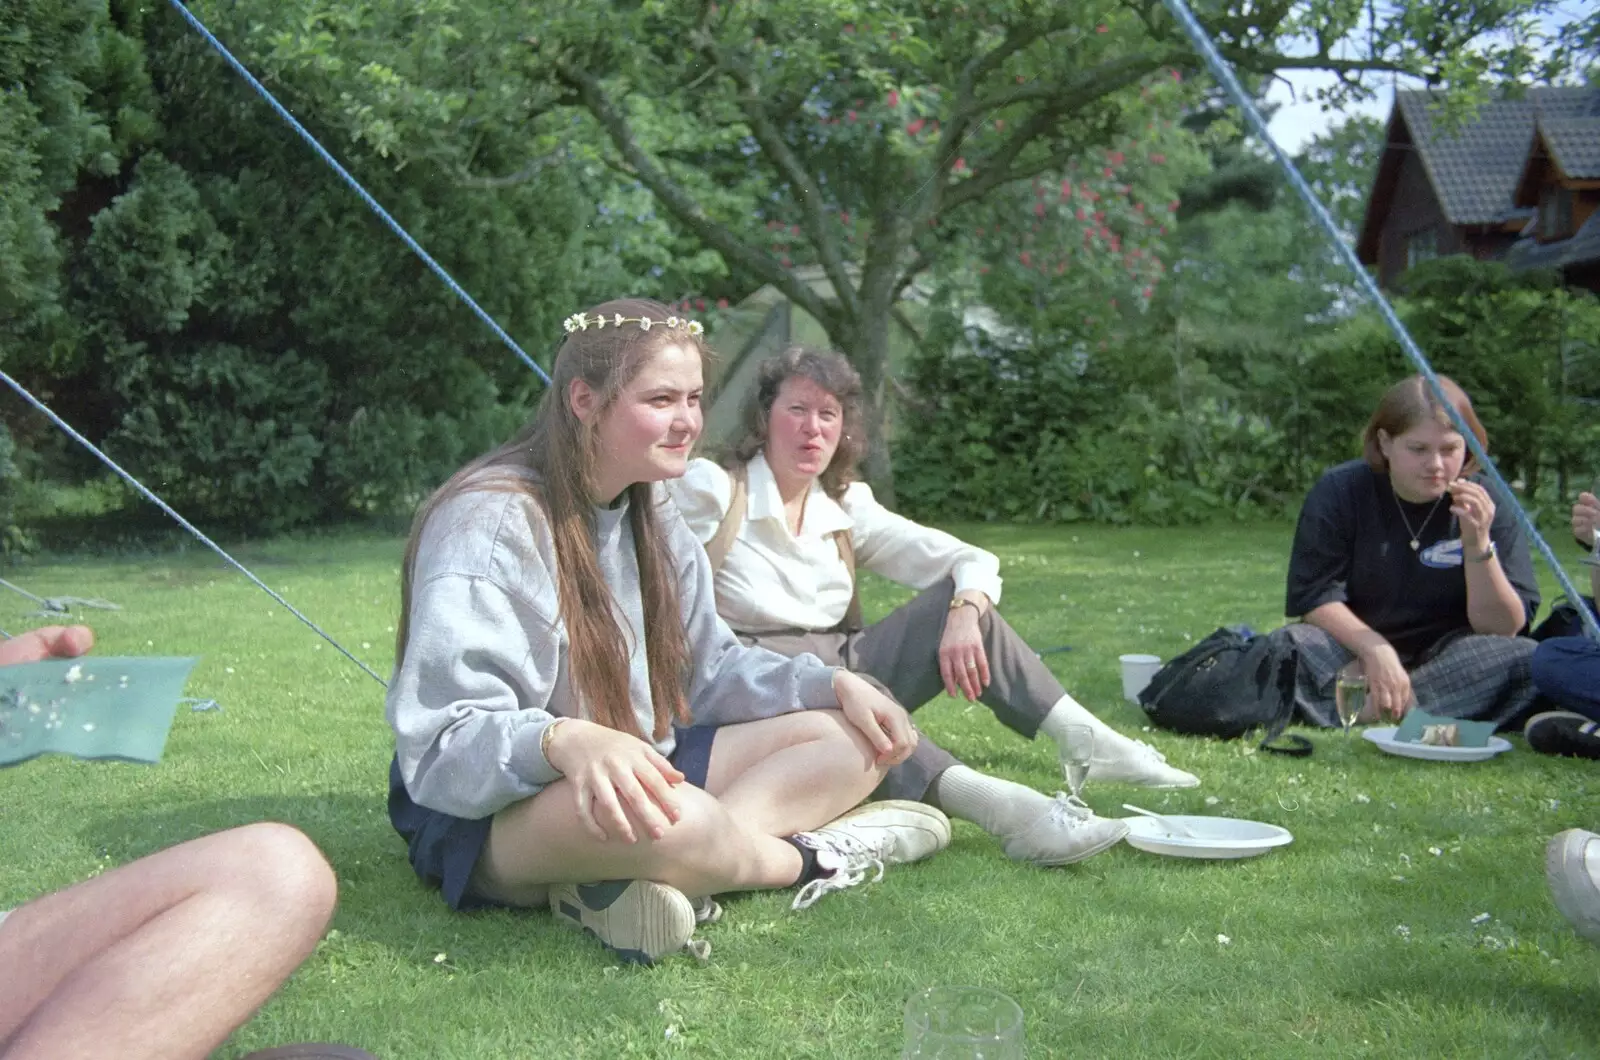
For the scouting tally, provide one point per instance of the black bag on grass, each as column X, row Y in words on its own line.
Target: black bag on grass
column 1562, row 621
column 1228, row 684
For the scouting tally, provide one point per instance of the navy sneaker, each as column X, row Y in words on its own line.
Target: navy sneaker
column 1561, row 732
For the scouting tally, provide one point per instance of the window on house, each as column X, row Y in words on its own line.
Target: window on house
column 1555, row 213
column 1421, row 246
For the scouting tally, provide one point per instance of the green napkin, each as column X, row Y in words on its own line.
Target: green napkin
column 90, row 707
column 1468, row 733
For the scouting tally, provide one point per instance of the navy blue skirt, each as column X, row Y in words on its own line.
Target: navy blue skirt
column 444, row 849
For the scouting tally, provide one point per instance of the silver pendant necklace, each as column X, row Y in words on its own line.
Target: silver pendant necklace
column 1416, row 535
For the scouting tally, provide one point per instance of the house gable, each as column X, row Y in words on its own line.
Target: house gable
column 1396, row 146
column 1561, row 181
column 1476, row 187
column 1564, row 199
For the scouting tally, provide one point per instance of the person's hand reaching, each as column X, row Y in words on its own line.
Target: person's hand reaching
column 1586, row 519
column 47, row 642
column 1388, row 684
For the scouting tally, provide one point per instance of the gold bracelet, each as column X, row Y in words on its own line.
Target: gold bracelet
column 544, row 737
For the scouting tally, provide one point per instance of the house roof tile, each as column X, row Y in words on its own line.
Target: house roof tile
column 1474, row 168
column 1574, row 141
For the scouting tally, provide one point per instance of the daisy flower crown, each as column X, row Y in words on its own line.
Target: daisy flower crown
column 583, row 322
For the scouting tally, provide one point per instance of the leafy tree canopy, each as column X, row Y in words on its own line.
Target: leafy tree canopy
column 865, row 133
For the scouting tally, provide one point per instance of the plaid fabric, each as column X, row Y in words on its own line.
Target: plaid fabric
column 1474, row 676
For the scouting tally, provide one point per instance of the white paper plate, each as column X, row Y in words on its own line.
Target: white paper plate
column 1214, row 837
column 1384, row 738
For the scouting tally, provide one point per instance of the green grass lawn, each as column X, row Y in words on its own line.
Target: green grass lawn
column 1357, row 940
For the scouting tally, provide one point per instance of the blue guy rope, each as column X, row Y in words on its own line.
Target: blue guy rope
column 57, row 605
column 1224, row 74
column 355, row 186
column 186, row 524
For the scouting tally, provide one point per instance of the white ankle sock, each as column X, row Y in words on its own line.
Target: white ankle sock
column 999, row 807
column 1108, row 742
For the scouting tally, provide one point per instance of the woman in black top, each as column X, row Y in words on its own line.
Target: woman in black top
column 1403, row 562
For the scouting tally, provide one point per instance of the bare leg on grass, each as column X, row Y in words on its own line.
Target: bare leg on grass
column 164, row 957
column 767, row 779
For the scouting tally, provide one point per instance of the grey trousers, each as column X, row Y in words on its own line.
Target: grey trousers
column 900, row 654
column 1474, row 676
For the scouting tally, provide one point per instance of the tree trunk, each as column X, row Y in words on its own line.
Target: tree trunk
column 867, row 345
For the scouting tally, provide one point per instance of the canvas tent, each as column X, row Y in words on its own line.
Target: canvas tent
column 764, row 324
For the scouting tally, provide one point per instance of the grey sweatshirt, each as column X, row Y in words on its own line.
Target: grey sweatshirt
column 486, row 659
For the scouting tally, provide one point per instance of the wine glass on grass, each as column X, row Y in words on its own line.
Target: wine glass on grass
column 1350, row 694
column 1076, row 757
column 962, row 1023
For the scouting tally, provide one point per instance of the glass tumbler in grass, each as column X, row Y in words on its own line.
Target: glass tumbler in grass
column 962, row 1023
column 1350, row 693
column 1077, row 755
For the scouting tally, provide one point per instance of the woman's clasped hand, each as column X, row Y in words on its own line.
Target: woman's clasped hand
column 617, row 780
column 884, row 723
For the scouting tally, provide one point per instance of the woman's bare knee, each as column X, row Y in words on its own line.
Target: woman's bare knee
column 532, row 846
column 850, row 742
column 279, row 872
column 702, row 822
column 809, row 726
column 709, row 851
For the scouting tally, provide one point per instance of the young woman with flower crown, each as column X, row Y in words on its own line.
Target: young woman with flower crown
column 574, row 726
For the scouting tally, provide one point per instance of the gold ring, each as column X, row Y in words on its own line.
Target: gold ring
column 972, row 666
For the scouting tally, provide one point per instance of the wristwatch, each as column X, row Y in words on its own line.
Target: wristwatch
column 1487, row 554
column 961, row 601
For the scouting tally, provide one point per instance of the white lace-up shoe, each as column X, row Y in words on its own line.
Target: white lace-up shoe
column 1572, row 865
column 707, row 910
column 848, row 855
column 639, row 920
column 916, row 830
column 1067, row 831
column 1136, row 762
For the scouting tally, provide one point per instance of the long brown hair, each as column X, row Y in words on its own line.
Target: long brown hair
column 561, row 450
column 831, row 371
column 1410, row 402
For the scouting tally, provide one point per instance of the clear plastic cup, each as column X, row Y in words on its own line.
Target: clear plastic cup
column 962, row 1023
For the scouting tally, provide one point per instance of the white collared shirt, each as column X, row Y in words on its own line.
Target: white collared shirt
column 773, row 579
